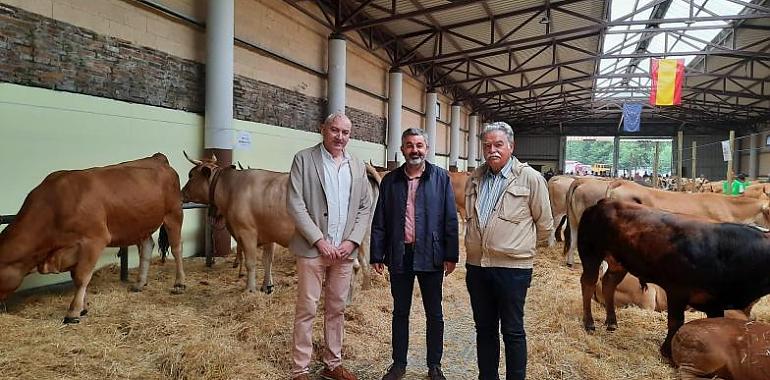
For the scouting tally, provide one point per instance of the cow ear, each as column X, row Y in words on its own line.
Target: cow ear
column 206, row 171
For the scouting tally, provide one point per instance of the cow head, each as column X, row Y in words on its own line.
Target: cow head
column 197, row 187
column 763, row 219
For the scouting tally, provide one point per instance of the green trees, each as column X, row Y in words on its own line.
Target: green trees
column 635, row 155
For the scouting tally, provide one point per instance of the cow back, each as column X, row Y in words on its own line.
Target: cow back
column 119, row 204
column 715, row 207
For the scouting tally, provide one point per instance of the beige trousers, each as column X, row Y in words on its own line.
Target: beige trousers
column 312, row 273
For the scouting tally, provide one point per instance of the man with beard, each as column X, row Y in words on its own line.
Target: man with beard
column 330, row 203
column 414, row 233
column 508, row 211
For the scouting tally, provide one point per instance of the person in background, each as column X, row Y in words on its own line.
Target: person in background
column 508, row 213
column 415, row 233
column 330, row 203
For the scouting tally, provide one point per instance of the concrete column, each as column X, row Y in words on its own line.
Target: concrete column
column 430, row 123
column 395, row 78
column 482, row 160
column 218, row 132
column 753, row 157
column 335, row 85
column 473, row 141
column 454, row 137
column 562, row 152
column 615, row 156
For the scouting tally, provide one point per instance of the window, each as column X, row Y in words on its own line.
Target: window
column 438, row 111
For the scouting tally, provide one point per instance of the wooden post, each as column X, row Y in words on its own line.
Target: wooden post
column 694, row 156
column 729, row 175
column 655, row 165
column 679, row 171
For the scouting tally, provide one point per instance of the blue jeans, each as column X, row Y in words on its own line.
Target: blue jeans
column 401, row 286
column 497, row 300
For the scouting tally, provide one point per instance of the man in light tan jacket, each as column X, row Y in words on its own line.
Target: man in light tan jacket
column 508, row 212
column 330, row 203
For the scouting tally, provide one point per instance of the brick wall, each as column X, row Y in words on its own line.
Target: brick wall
column 42, row 52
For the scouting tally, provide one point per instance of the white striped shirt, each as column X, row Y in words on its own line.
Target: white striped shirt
column 491, row 188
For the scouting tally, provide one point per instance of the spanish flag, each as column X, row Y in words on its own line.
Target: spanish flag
column 667, row 78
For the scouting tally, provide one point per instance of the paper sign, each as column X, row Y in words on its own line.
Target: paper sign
column 244, row 140
column 726, row 150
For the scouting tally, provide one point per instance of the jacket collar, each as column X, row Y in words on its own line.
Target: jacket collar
column 429, row 168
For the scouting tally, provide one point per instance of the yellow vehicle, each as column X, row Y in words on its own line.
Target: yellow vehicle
column 601, row 169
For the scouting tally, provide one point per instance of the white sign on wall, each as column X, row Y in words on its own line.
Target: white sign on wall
column 726, row 150
column 244, row 140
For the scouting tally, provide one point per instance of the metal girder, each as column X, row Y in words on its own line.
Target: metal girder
column 729, row 88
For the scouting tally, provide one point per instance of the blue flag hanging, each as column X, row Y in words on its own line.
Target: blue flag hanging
column 632, row 113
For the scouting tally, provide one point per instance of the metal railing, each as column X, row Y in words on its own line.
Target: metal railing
column 123, row 251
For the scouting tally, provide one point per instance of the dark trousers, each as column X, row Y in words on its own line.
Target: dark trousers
column 497, row 300
column 401, row 285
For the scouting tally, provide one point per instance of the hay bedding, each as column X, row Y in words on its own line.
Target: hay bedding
column 215, row 331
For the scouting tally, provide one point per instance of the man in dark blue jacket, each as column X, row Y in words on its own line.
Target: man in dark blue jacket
column 414, row 233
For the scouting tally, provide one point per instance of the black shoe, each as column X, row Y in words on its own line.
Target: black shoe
column 434, row 373
column 395, row 373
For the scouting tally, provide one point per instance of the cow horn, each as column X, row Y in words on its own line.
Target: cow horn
column 194, row 162
column 214, row 158
column 240, row 167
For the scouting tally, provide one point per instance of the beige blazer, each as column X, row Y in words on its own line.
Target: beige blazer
column 307, row 202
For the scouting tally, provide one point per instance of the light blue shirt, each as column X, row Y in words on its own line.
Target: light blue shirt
column 492, row 186
column 337, row 183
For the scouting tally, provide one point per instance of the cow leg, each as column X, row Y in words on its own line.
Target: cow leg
column 572, row 240
column 610, row 282
column 366, row 269
column 268, row 251
column 588, row 287
column 145, row 254
column 88, row 254
column 248, row 241
column 173, row 225
column 676, row 307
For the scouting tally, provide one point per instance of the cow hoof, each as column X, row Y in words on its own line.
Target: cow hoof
column 570, row 265
column 83, row 312
column 612, row 326
column 590, row 328
column 178, row 289
column 136, row 288
column 71, row 320
column 267, row 289
column 236, row 264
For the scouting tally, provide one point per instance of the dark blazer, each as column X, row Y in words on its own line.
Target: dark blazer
column 435, row 217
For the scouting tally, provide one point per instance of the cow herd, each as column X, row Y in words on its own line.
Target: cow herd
column 660, row 250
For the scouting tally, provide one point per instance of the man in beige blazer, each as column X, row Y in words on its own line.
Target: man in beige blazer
column 330, row 203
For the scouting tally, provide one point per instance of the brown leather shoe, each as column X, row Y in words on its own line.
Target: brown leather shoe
column 338, row 373
column 303, row 376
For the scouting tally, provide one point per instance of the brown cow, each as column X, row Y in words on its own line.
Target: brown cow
column 582, row 193
column 66, row 222
column 557, row 193
column 630, row 291
column 252, row 204
column 458, row 185
column 722, row 348
column 716, row 207
column 710, row 266
column 757, row 190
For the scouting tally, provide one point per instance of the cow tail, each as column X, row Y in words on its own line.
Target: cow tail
column 163, row 244
column 567, row 231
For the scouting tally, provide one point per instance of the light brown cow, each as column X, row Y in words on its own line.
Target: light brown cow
column 252, row 204
column 757, row 190
column 722, row 348
column 715, row 207
column 582, row 194
column 631, row 292
column 557, row 193
column 66, row 222
column 712, row 187
column 458, row 185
